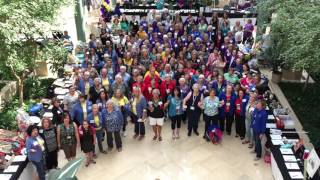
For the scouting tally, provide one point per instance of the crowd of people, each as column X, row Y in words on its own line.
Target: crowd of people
column 159, row 70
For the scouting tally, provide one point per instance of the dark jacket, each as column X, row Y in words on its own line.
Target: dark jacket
column 222, row 112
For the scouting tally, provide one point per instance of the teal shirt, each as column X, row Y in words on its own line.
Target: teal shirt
column 231, row 79
column 175, row 106
column 211, row 106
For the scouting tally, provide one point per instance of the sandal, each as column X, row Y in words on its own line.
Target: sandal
column 87, row 164
column 250, row 146
column 154, row 138
column 160, row 138
column 93, row 162
column 245, row 142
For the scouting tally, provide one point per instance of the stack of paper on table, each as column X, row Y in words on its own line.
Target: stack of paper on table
column 289, row 158
column 277, row 142
column 276, row 136
column 271, row 125
column 19, row 158
column 5, row 176
column 286, row 151
column 296, row 175
column 275, row 131
column 12, row 168
column 271, row 116
column 292, row 166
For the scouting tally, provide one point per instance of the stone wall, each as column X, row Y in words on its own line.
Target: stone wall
column 7, row 92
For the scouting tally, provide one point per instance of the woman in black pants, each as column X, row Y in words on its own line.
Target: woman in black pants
column 49, row 135
column 175, row 111
column 192, row 103
column 211, row 110
column 113, row 124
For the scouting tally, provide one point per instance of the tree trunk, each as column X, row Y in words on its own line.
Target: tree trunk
column 306, row 83
column 20, row 91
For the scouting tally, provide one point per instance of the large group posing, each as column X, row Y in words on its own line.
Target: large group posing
column 160, row 68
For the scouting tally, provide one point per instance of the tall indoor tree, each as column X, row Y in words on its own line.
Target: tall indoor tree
column 23, row 26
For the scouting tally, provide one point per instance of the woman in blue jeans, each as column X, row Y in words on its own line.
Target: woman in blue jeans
column 259, row 120
column 35, row 148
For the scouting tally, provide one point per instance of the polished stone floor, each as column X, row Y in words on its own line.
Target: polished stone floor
column 187, row 158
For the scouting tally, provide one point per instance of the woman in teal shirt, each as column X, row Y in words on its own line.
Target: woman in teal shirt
column 175, row 111
column 211, row 113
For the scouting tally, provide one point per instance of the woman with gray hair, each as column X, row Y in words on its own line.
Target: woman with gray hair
column 192, row 103
column 113, row 124
column 156, row 114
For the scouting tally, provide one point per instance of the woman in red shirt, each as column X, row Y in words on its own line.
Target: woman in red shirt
column 240, row 113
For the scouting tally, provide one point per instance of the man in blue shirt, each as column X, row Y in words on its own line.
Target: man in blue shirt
column 259, row 120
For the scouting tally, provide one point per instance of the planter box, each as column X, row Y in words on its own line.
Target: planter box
column 291, row 75
column 276, row 77
column 8, row 91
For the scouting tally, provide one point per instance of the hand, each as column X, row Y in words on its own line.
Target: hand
column 261, row 136
column 222, row 102
column 33, row 150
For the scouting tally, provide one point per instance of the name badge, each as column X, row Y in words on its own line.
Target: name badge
column 89, row 108
column 68, row 137
column 41, row 131
column 160, row 103
column 177, row 107
column 227, row 104
column 168, row 91
column 58, row 112
column 91, row 121
column 244, row 100
column 192, row 108
column 238, row 106
column 35, row 143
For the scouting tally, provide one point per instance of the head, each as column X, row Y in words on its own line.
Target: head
column 46, row 123
column 82, row 98
column 123, row 69
column 229, row 89
column 176, row 92
column 109, row 105
column 136, row 91
column 212, row 93
column 85, row 124
column 118, row 94
column 261, row 104
column 55, row 102
column 66, row 118
column 118, row 79
column 240, row 92
column 195, row 87
column 103, row 95
column 97, row 82
column 156, row 94
column 95, row 109
column 220, row 78
column 32, row 131
column 72, row 89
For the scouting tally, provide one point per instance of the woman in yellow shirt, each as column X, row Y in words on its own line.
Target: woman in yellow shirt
column 123, row 104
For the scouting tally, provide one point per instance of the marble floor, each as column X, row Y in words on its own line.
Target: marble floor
column 187, row 158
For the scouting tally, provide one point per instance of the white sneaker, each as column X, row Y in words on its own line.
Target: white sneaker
column 124, row 134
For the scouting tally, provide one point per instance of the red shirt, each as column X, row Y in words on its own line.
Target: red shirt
column 164, row 87
column 227, row 109
column 238, row 106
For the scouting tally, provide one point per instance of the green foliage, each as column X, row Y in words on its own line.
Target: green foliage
column 306, row 106
column 9, row 112
column 36, row 88
column 24, row 27
column 295, row 35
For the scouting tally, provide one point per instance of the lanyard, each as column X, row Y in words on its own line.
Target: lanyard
column 193, row 99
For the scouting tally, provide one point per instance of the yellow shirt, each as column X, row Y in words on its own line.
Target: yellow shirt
column 86, row 88
column 97, row 122
column 128, row 62
column 84, row 110
column 120, row 102
column 134, row 104
column 105, row 83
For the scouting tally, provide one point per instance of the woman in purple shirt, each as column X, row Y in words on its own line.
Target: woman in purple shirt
column 248, row 28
